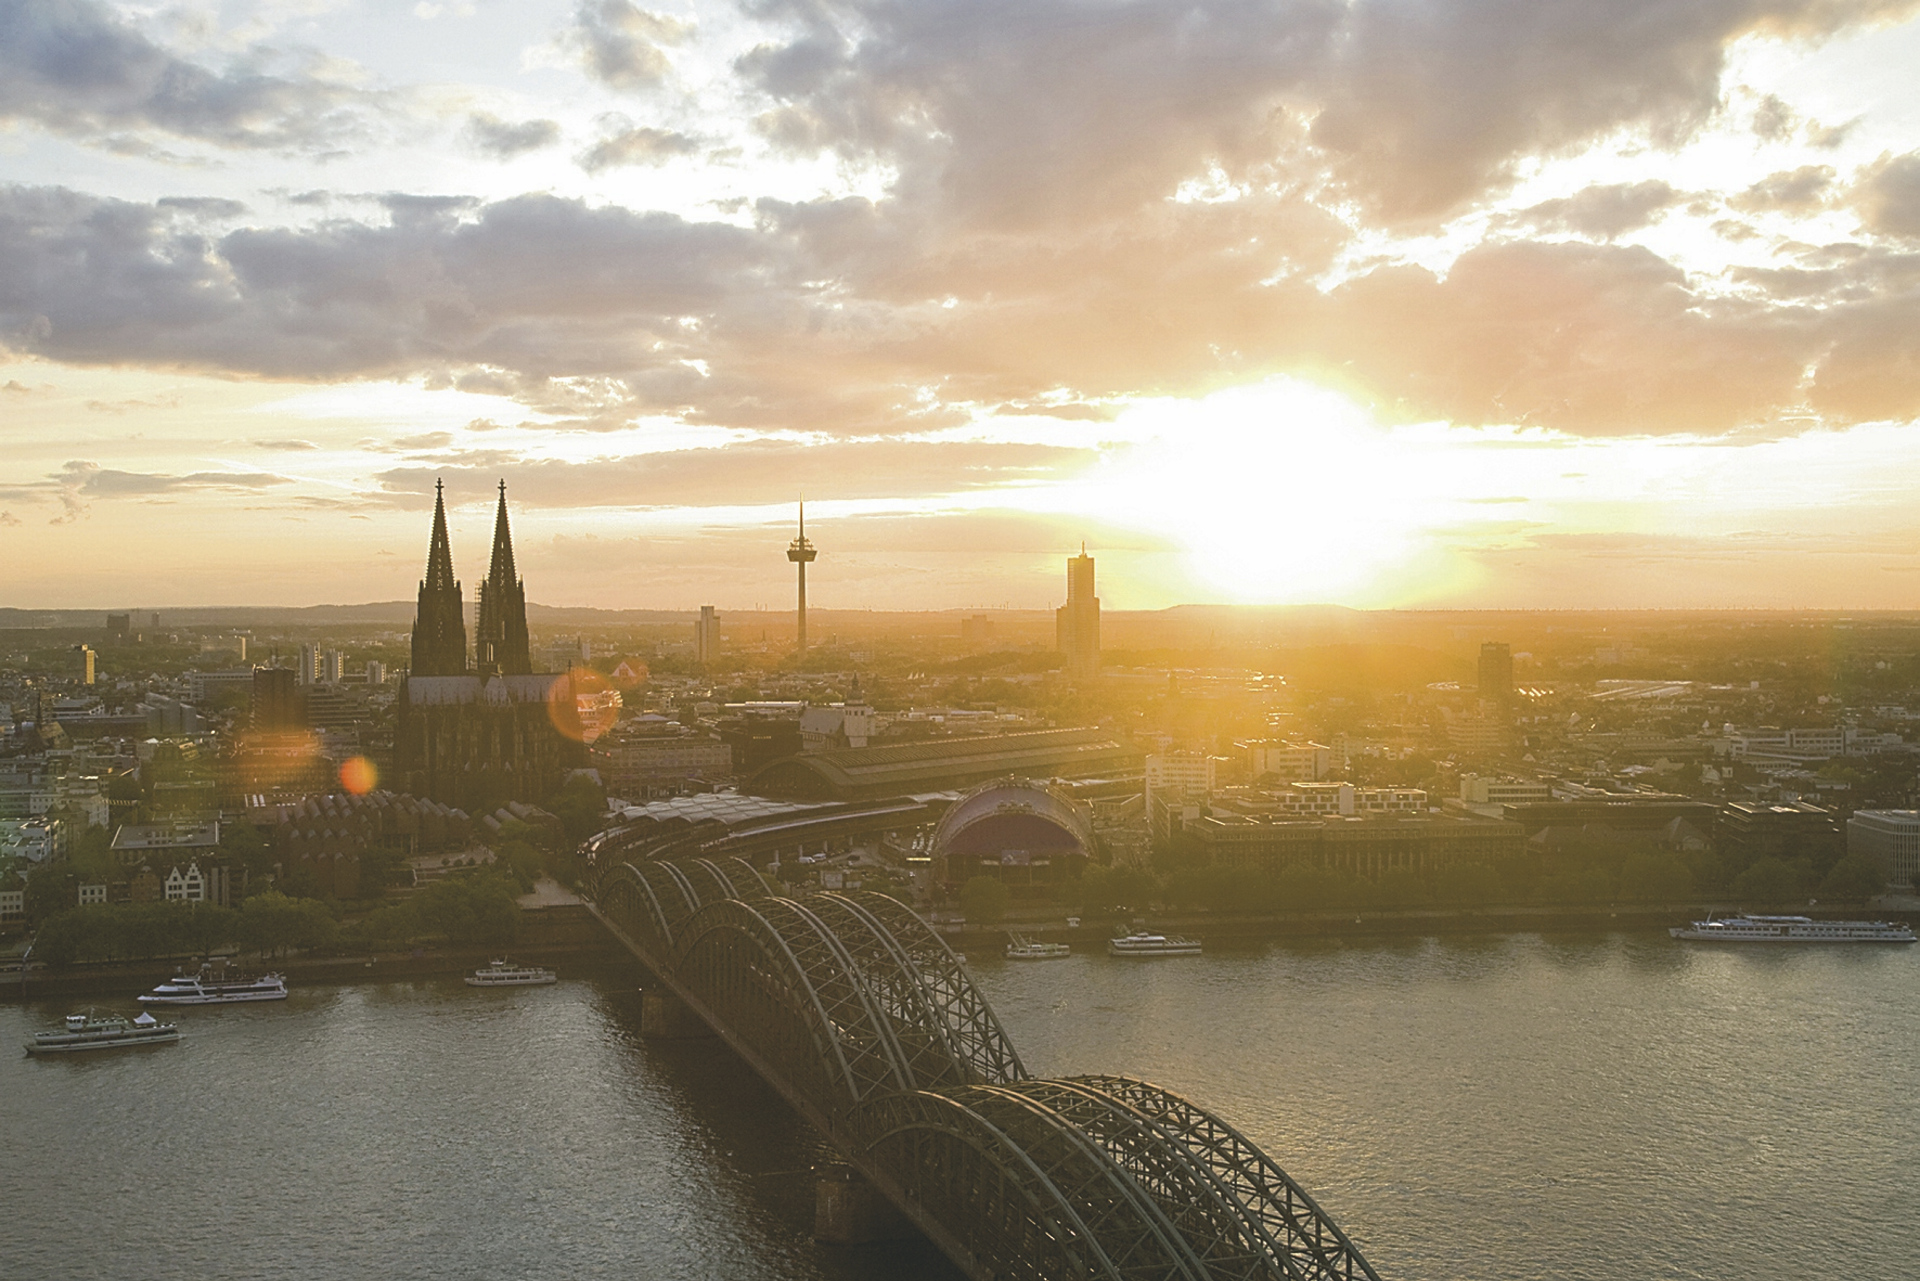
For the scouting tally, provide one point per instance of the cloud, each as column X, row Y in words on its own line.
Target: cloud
column 1799, row 191
column 1428, row 106
column 856, row 317
column 211, row 208
column 1013, row 112
column 622, row 45
column 1774, row 120
column 534, row 284
column 285, row 446
column 506, row 139
column 1600, row 340
column 749, row 473
column 76, row 68
column 92, row 480
column 1889, row 198
column 77, row 484
column 631, row 144
column 412, row 444
column 1008, row 113
column 1602, row 212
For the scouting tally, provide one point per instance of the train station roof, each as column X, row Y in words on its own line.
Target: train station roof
column 861, row 773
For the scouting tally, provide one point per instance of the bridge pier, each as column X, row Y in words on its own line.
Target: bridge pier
column 848, row 1211
column 665, row 1017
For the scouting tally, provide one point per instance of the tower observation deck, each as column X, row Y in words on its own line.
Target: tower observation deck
column 801, row 553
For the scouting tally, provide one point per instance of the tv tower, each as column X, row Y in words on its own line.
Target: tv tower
column 801, row 553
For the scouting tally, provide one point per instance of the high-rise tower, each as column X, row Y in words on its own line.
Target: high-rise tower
column 706, row 636
column 500, row 636
column 439, row 624
column 1077, row 623
column 801, row 553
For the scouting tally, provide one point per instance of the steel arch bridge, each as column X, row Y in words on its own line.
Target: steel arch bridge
column 865, row 1020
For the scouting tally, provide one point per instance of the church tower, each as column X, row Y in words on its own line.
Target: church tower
column 500, row 639
column 439, row 624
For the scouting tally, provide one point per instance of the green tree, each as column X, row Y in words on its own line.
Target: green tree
column 247, row 846
column 1767, row 881
column 381, row 866
column 580, row 805
column 1854, row 879
column 984, row 900
column 1654, row 878
column 1469, row 885
column 522, row 859
column 274, row 924
column 52, row 888
column 134, row 931
column 462, row 909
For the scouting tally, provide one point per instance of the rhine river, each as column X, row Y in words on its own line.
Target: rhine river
column 1501, row 1108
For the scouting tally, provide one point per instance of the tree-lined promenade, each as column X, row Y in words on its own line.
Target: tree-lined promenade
column 472, row 910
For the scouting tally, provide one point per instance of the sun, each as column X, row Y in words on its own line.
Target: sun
column 1281, row 492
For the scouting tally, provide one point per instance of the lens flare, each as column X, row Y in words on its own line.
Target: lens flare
column 359, row 776
column 583, row 706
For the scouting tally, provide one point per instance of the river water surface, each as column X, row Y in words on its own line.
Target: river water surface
column 1505, row 1107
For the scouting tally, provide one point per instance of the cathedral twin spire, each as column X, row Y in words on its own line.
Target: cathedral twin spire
column 500, row 639
column 439, row 623
column 439, row 627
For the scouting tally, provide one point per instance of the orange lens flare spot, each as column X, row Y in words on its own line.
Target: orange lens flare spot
column 583, row 706
column 359, row 776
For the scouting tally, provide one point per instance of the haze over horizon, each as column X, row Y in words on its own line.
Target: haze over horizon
column 1462, row 305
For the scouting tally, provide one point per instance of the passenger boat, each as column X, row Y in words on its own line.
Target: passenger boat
column 86, row 1032
column 205, row 988
column 1141, row 943
column 502, row 974
column 1022, row 948
column 1791, row 929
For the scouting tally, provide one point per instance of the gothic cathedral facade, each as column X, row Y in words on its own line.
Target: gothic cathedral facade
column 475, row 735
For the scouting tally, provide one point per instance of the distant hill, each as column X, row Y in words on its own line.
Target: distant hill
column 396, row 613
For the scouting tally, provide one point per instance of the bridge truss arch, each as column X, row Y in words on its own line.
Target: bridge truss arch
column 862, row 1015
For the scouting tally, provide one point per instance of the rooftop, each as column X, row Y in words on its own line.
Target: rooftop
column 865, row 772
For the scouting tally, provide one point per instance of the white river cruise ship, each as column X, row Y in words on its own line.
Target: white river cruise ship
column 1792, row 929
column 506, row 974
column 205, row 988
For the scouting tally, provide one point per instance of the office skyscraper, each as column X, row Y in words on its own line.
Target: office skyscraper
column 1077, row 623
column 1496, row 672
column 706, row 636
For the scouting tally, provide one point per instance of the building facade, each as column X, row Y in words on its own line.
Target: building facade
column 1496, row 672
column 1482, row 789
column 1368, row 846
column 639, row 765
column 1748, row 831
column 479, row 738
column 706, row 635
column 1892, row 839
column 1285, row 761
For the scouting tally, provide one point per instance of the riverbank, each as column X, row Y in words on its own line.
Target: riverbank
column 1235, row 928
column 559, row 938
column 566, row 934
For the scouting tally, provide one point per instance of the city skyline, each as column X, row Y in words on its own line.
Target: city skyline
column 1446, row 307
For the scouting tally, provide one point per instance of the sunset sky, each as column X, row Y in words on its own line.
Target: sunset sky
column 1501, row 303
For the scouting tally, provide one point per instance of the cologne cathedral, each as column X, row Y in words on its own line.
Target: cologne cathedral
column 478, row 734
